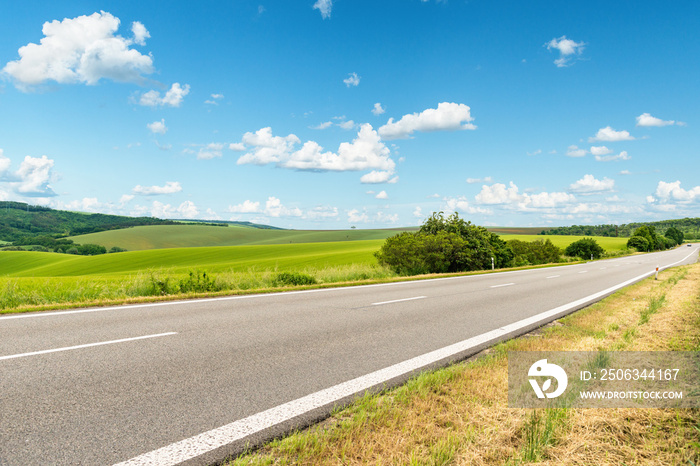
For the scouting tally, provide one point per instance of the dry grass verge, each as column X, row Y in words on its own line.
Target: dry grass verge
column 459, row 415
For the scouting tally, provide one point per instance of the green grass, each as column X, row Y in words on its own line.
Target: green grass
column 184, row 236
column 182, row 260
column 610, row 244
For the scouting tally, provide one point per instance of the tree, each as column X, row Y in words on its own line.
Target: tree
column 639, row 243
column 585, row 248
column 675, row 234
column 444, row 245
column 648, row 232
column 534, row 252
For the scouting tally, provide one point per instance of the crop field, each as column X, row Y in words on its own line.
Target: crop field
column 610, row 244
column 188, row 236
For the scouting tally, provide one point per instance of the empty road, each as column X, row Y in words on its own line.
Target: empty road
column 108, row 385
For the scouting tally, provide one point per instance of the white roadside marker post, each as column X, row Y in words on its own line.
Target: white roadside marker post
column 656, row 276
column 492, row 264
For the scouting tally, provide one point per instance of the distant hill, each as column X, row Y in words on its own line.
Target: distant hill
column 20, row 221
column 689, row 226
column 231, row 222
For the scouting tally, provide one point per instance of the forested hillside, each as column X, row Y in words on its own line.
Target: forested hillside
column 19, row 220
column 689, row 226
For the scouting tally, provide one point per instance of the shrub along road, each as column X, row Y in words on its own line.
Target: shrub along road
column 99, row 386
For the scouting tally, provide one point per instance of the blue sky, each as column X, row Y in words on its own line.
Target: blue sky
column 328, row 114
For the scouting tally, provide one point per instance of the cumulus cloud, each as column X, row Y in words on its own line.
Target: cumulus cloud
column 568, row 50
column 448, row 116
column 84, row 49
column 172, row 98
column 645, row 119
column 33, row 177
column 274, row 208
column 382, row 195
column 169, row 188
column 125, row 199
column 574, row 151
column 352, row 80
column 673, row 192
column 377, row 177
column 347, row 125
column 500, row 194
column 355, row 216
column 246, row 207
column 487, row 179
column 418, row 212
column 366, row 152
column 600, row 150
column 460, row 204
column 160, row 210
column 610, row 135
column 590, row 185
column 378, row 109
column 612, row 158
column 158, row 127
column 324, row 125
column 324, row 6
column 237, row 146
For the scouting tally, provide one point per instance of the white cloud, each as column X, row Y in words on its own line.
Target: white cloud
column 324, row 125
column 645, row 119
column 34, row 175
column 537, row 152
column 158, row 127
column 347, row 125
column 237, row 146
column 610, row 135
column 324, row 6
column 169, row 188
column 568, row 50
column 382, row 195
column 354, row 216
column 487, row 179
column 172, row 98
column 382, row 217
column 82, row 50
column 267, row 148
column 211, row 151
column 140, row 33
column 246, row 207
column 376, row 177
column 574, row 151
column 188, row 210
column 498, row 193
column 611, row 158
column 274, row 208
column 673, row 192
column 448, row 116
column 87, row 204
column 460, row 204
column 214, row 99
column 378, row 109
column 625, row 172
column 590, row 185
column 600, row 150
column 352, row 80
column 418, row 212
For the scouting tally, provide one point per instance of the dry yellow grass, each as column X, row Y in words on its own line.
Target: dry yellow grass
column 459, row 415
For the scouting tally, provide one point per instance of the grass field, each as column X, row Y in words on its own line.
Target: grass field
column 187, row 236
column 39, row 280
column 610, row 244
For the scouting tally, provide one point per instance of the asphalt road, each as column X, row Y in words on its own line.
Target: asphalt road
column 101, row 386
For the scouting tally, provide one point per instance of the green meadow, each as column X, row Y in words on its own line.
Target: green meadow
column 188, row 236
column 610, row 244
column 39, row 280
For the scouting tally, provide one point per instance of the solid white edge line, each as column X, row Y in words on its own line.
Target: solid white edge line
column 203, row 443
column 398, row 300
column 554, row 276
column 88, row 345
column 499, row 286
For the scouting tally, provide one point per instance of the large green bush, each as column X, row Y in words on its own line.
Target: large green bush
column 639, row 243
column 534, row 252
column 444, row 245
column 585, row 249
